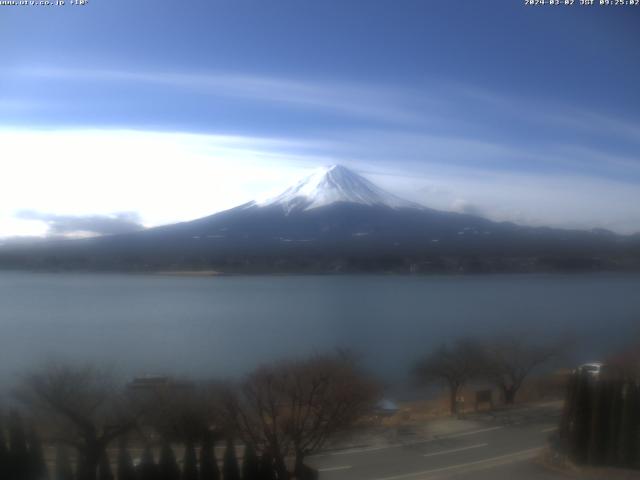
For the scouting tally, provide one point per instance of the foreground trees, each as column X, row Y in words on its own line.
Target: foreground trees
column 4, row 454
column 125, row 468
column 82, row 407
column 230, row 467
column 627, row 361
column 504, row 361
column 62, row 469
column 208, row 463
column 452, row 365
column 184, row 411
column 19, row 463
column 168, row 465
column 295, row 407
column 282, row 412
column 37, row 465
column 250, row 463
column 601, row 421
column 22, row 457
column 510, row 360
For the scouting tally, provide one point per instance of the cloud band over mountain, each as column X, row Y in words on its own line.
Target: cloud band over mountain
column 69, row 225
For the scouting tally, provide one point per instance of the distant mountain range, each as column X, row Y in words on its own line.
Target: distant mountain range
column 336, row 221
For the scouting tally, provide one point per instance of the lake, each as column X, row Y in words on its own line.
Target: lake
column 224, row 326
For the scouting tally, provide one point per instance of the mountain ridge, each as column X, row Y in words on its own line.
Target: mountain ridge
column 335, row 220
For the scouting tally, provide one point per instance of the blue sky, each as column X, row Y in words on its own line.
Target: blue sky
column 165, row 111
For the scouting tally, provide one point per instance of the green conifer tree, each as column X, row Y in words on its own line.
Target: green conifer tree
column 280, row 468
column 594, row 419
column 614, row 419
column 208, row 464
column 62, row 470
column 634, row 447
column 18, row 450
column 628, row 440
column 37, row 464
column 250, row 464
column 4, row 453
column 83, row 471
column 267, row 470
column 126, row 470
column 567, row 421
column 168, row 465
column 190, row 463
column 147, row 470
column 104, row 467
column 230, row 469
column 580, row 434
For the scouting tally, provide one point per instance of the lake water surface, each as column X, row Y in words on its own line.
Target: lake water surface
column 223, row 326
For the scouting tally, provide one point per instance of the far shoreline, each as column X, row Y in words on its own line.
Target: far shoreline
column 189, row 273
column 314, row 273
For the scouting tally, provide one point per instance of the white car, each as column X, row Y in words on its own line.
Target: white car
column 593, row 369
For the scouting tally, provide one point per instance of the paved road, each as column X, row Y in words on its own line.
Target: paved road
column 497, row 448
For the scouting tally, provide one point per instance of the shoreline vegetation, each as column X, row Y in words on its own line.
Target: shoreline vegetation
column 325, row 265
column 189, row 273
column 631, row 270
column 224, row 274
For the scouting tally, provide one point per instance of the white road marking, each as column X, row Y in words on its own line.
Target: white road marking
column 473, row 432
column 500, row 458
column 547, row 430
column 453, row 450
column 408, row 444
column 362, row 450
column 333, row 469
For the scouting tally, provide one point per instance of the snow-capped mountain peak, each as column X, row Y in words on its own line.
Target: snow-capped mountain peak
column 334, row 184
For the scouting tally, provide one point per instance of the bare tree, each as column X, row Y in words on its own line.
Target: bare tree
column 185, row 411
column 293, row 408
column 452, row 365
column 509, row 360
column 81, row 406
column 626, row 361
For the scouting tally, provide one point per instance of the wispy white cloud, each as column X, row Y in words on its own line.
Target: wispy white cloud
column 553, row 113
column 84, row 225
column 366, row 101
column 17, row 105
column 435, row 107
column 413, row 149
column 564, row 201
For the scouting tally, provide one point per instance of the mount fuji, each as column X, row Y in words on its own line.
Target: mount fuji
column 335, row 220
column 332, row 185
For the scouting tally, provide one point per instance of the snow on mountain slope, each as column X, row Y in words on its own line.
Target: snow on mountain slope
column 333, row 184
